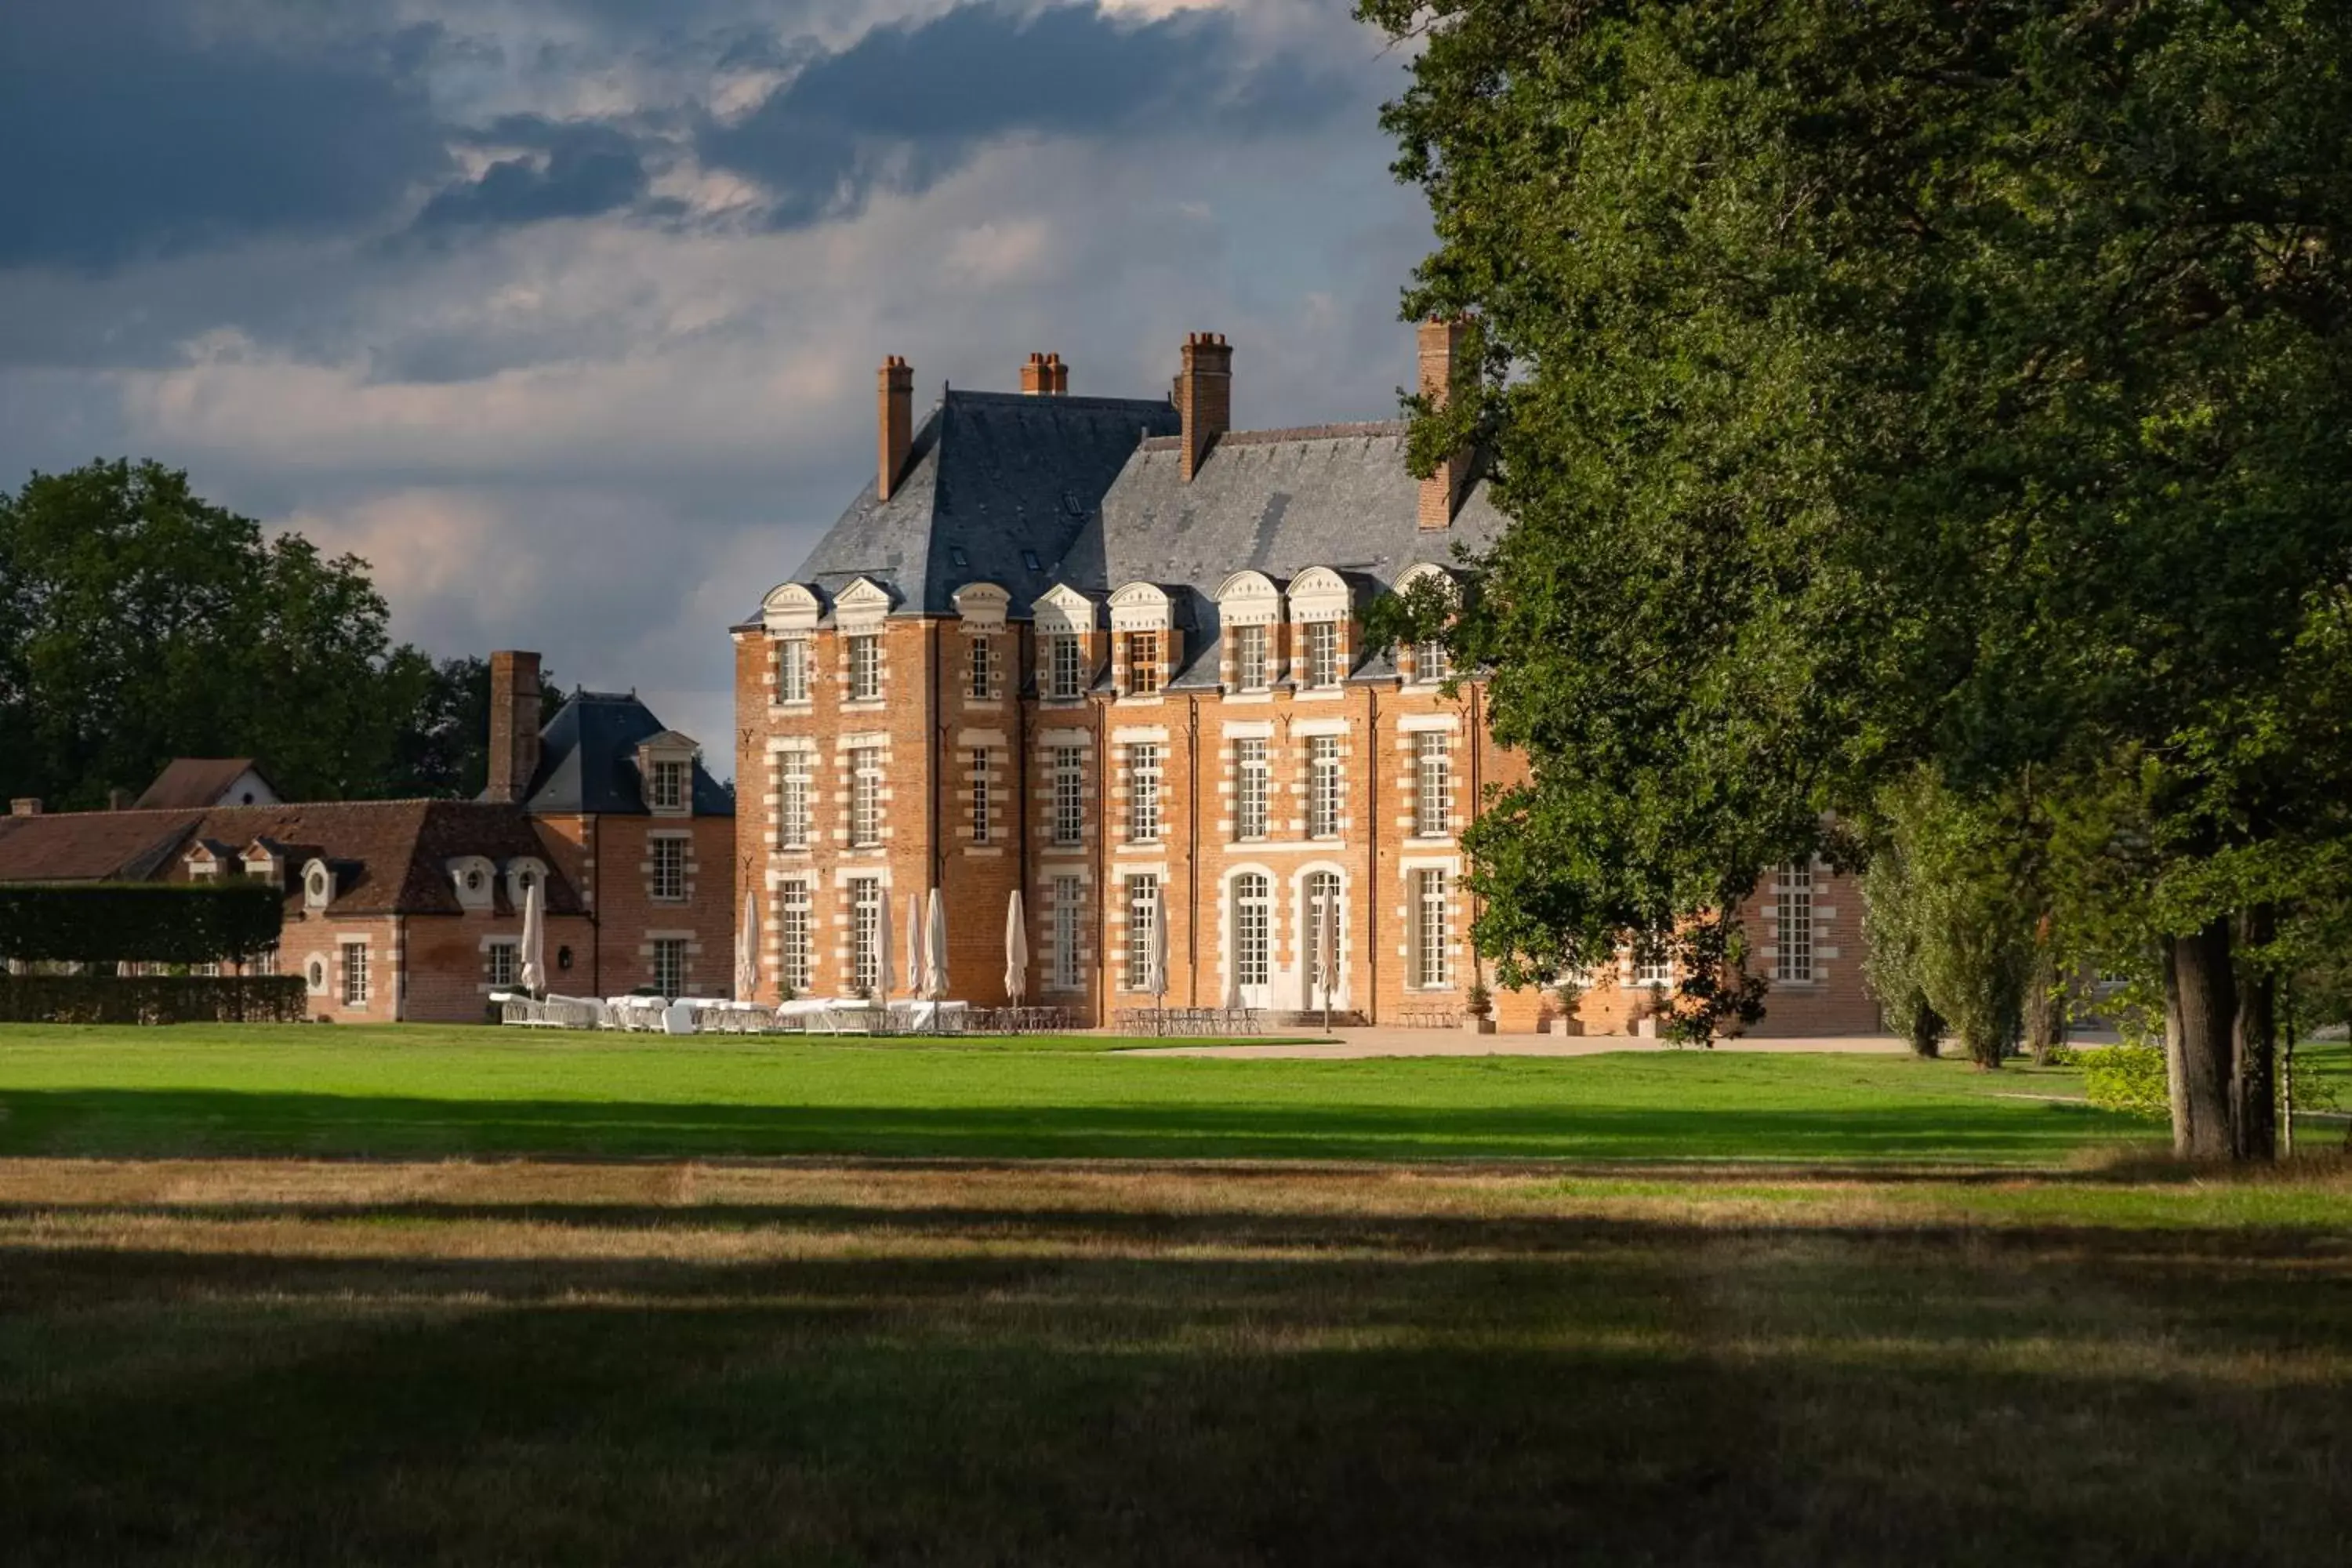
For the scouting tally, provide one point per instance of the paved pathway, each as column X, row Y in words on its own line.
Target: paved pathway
column 1354, row 1044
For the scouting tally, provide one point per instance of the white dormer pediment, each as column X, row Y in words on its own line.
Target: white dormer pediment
column 263, row 862
column 1319, row 593
column 317, row 885
column 1249, row 599
column 1141, row 607
column 1061, row 611
column 475, row 880
column 523, row 873
column 1414, row 576
column 982, row 605
column 862, row 605
column 791, row 607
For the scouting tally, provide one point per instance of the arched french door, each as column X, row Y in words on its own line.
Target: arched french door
column 1253, row 929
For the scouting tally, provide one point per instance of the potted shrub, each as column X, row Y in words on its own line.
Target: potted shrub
column 1478, row 1009
column 1563, row 1019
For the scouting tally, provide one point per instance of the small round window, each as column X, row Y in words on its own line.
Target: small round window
column 318, row 975
column 473, row 881
column 318, row 885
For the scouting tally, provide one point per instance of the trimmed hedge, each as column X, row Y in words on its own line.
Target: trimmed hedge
column 140, row 922
column 153, row 999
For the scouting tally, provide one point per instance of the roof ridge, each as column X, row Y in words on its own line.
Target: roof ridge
column 1359, row 430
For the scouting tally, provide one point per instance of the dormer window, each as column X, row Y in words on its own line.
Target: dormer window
column 523, row 874
column 1143, row 669
column 983, row 669
column 1065, row 673
column 1322, row 654
column 1429, row 662
column 317, row 885
column 793, row 671
column 866, row 668
column 1251, row 671
column 669, row 785
column 472, row 878
column 1250, row 605
column 1143, row 622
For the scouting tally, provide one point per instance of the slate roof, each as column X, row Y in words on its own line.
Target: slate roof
column 194, row 783
column 993, row 478
column 588, row 761
column 391, row 856
column 1276, row 501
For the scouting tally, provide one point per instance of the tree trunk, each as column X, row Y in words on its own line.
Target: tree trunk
column 2254, row 1091
column 2176, row 1082
column 2045, row 1007
column 1986, row 1048
column 1926, row 1031
column 2203, row 995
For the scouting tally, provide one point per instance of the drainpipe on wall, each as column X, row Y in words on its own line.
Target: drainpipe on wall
column 1192, row 853
column 1372, row 1007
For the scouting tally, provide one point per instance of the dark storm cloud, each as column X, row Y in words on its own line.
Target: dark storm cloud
column 128, row 134
column 573, row 169
column 909, row 104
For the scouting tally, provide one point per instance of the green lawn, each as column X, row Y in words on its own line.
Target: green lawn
column 413, row 1091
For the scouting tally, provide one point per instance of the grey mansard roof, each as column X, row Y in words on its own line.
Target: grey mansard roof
column 992, row 479
column 588, row 761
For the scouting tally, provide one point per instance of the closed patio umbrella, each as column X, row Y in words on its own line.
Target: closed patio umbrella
column 1016, row 951
column 534, row 940
column 1329, row 954
column 1158, row 977
column 747, row 951
column 882, row 977
column 935, row 949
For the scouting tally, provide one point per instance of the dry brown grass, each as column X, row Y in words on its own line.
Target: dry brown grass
column 267, row 1361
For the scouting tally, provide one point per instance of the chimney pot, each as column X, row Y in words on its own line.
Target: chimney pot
column 25, row 806
column 1057, row 376
column 514, row 724
column 896, row 395
column 1205, row 396
column 1440, row 344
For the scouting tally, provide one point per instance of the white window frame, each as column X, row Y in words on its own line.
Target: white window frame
column 1326, row 787
column 1432, row 783
column 1322, row 661
column 864, row 654
column 1252, row 657
column 865, row 797
column 1253, row 899
column 1143, row 824
column 796, row 935
column 667, row 785
column 1066, row 669
column 1069, row 795
column 984, row 669
column 668, row 854
column 354, row 975
column 1143, row 914
column 667, row 947
column 795, row 774
column 1433, row 958
column 1253, row 790
column 868, row 908
column 1069, row 921
column 983, row 823
column 1143, row 662
column 793, row 671
column 1430, row 665
column 502, row 963
column 1792, row 942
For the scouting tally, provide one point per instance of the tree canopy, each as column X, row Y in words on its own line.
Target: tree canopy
column 139, row 622
column 1966, row 385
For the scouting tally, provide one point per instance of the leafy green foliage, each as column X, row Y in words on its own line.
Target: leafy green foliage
column 139, row 623
column 141, row 923
column 2129, row 1078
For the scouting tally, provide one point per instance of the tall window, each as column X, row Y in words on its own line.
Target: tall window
column 669, row 966
column 1653, row 966
column 1065, row 666
column 1322, row 889
column 1323, row 787
column 1253, row 928
column 1429, row 662
column 1433, row 959
column 1252, row 781
column 1432, row 783
column 866, row 668
column 1322, row 653
column 1142, row 663
column 1143, row 791
column 1069, row 911
column 792, row 671
column 1069, row 793
column 355, row 974
column 983, row 823
column 1249, row 659
column 795, row 953
column 1794, row 943
column 669, row 785
column 793, row 800
column 866, row 933
column 1143, row 929
column 865, row 796
column 983, row 667
column 669, row 869
column 504, row 961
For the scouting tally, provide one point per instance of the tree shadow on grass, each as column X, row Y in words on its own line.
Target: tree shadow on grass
column 1643, row 1392
column 156, row 1122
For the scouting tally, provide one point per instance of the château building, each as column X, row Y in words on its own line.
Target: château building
column 1109, row 651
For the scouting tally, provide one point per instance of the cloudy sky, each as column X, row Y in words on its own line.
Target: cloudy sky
column 564, row 313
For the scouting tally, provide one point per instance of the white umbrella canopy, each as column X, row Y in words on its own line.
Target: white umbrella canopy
column 883, row 978
column 535, row 939
column 915, row 955
column 1016, row 951
column 935, row 949
column 1331, row 949
column 1159, row 976
column 747, row 951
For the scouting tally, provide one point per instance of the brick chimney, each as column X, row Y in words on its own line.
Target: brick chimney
column 1204, row 396
column 514, row 724
column 28, row 806
column 896, row 395
column 1046, row 376
column 119, row 799
column 1441, row 493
